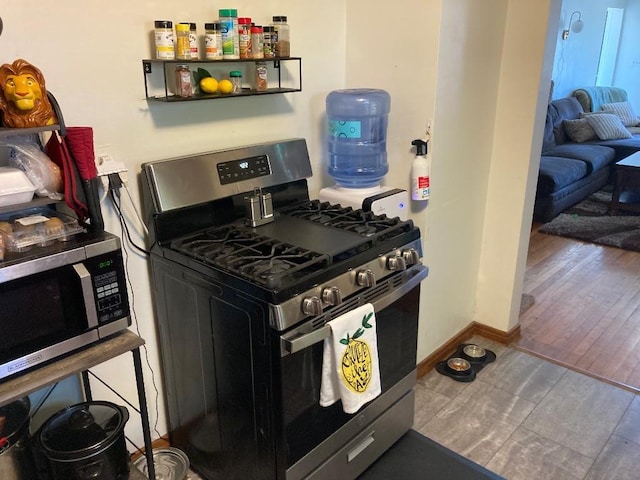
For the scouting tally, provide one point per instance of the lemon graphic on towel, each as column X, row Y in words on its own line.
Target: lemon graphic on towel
column 357, row 364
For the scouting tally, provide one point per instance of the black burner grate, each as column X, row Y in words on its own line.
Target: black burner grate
column 362, row 222
column 252, row 256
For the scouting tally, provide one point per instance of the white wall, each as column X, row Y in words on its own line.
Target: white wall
column 460, row 63
column 628, row 62
column 517, row 142
column 576, row 59
column 91, row 57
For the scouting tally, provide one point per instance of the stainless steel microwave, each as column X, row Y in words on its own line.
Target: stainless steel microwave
column 59, row 299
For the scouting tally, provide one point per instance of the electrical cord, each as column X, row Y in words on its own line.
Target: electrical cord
column 115, row 183
column 126, row 189
column 125, row 228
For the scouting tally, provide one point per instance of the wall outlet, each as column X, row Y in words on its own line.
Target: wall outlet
column 106, row 163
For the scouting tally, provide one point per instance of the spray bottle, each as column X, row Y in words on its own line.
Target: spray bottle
column 420, row 171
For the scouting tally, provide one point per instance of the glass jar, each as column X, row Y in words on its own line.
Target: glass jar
column 268, row 41
column 283, row 45
column 213, row 41
column 183, row 81
column 183, row 49
column 244, row 37
column 261, row 77
column 193, row 41
column 164, row 40
column 236, row 80
column 257, row 46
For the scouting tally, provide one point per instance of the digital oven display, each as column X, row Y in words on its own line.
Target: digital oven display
column 244, row 169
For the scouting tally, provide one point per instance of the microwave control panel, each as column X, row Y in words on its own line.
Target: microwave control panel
column 110, row 291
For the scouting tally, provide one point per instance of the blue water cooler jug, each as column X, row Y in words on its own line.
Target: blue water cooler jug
column 357, row 136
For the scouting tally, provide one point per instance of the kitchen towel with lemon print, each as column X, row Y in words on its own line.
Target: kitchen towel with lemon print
column 350, row 370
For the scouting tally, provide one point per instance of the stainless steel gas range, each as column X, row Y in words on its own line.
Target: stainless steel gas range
column 247, row 271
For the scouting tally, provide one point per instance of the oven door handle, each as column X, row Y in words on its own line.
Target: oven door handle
column 87, row 294
column 296, row 344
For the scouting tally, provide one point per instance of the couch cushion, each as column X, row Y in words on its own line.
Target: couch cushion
column 579, row 130
column 563, row 109
column 608, row 126
column 595, row 157
column 548, row 139
column 624, row 110
column 622, row 147
column 558, row 172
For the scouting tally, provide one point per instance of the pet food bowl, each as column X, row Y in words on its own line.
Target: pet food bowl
column 459, row 365
column 474, row 352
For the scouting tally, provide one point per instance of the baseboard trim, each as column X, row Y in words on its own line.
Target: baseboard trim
column 474, row 328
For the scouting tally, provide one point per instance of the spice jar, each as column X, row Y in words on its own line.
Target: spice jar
column 244, row 36
column 268, row 38
column 193, row 41
column 261, row 77
column 229, row 28
column 213, row 41
column 183, row 49
column 257, row 46
column 236, row 80
column 164, row 40
column 183, row 81
column 283, row 45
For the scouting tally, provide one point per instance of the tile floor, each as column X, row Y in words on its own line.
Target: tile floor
column 528, row 419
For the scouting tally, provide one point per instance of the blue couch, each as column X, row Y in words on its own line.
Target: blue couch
column 571, row 171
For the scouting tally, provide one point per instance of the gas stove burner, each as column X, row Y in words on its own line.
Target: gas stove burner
column 252, row 256
column 268, row 269
column 363, row 229
column 318, row 212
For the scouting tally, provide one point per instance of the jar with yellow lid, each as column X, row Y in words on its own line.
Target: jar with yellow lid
column 183, row 46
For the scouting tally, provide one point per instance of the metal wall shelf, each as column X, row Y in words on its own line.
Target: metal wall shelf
column 149, row 68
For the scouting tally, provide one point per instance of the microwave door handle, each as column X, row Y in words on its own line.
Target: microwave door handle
column 304, row 341
column 87, row 294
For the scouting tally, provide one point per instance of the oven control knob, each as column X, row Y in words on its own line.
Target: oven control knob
column 396, row 262
column 410, row 256
column 332, row 296
column 366, row 278
column 312, row 306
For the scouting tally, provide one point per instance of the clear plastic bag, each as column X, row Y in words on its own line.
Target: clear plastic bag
column 27, row 155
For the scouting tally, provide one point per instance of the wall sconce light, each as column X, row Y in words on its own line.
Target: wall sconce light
column 575, row 27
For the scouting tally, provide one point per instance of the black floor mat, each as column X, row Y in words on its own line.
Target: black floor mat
column 415, row 456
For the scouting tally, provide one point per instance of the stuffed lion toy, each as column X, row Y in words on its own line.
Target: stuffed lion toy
column 24, row 101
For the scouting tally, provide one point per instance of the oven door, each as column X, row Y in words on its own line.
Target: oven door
column 308, row 426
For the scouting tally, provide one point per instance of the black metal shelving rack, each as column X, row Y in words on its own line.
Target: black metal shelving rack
column 148, row 68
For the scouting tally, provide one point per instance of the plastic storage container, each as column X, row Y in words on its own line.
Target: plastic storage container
column 36, row 227
column 357, row 136
column 15, row 187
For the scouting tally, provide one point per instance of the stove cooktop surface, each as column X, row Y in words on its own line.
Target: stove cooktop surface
column 302, row 244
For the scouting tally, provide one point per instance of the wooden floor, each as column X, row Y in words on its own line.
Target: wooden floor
column 586, row 313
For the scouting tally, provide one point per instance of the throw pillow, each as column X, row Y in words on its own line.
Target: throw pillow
column 608, row 126
column 579, row 130
column 624, row 110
